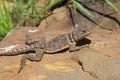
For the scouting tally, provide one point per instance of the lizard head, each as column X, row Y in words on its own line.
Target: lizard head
column 80, row 32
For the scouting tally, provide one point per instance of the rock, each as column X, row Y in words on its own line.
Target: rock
column 98, row 62
column 101, row 61
column 100, row 66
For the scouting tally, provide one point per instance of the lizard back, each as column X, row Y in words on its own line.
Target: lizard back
column 58, row 43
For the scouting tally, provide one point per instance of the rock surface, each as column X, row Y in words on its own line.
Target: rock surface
column 101, row 61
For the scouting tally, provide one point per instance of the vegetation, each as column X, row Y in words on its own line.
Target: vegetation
column 28, row 10
column 6, row 23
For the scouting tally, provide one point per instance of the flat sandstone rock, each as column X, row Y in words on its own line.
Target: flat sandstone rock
column 101, row 61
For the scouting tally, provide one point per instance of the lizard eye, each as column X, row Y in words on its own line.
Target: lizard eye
column 84, row 31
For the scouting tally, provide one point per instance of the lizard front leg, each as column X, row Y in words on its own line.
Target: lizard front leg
column 37, row 57
column 73, row 47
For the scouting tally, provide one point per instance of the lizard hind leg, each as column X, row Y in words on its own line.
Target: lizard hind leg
column 37, row 57
column 30, row 40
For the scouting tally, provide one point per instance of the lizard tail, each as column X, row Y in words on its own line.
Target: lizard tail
column 15, row 51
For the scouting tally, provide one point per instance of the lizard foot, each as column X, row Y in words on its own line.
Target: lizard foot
column 37, row 57
column 22, row 64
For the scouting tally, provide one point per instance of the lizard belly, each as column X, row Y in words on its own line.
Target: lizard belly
column 57, row 44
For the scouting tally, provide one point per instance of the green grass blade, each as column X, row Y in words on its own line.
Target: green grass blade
column 49, row 6
column 80, row 6
column 112, row 5
column 74, row 5
column 5, row 20
column 83, row 9
column 7, row 17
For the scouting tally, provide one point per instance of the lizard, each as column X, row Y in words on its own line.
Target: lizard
column 56, row 44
